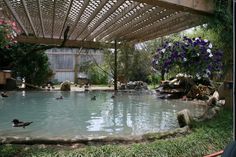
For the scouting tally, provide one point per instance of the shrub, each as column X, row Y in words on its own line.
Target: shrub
column 196, row 57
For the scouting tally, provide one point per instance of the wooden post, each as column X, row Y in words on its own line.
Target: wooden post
column 76, row 69
column 234, row 107
column 115, row 68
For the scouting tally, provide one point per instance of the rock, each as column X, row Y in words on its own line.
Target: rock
column 65, row 86
column 130, row 85
column 213, row 99
column 137, row 85
column 184, row 118
column 209, row 113
column 122, row 87
column 200, row 92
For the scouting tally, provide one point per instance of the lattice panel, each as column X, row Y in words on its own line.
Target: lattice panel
column 86, row 14
column 97, row 20
column 124, row 20
column 47, row 15
column 19, row 9
column 34, row 15
column 122, row 10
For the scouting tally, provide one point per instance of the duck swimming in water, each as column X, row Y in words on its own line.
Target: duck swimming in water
column 4, row 94
column 93, row 98
column 17, row 123
column 60, row 97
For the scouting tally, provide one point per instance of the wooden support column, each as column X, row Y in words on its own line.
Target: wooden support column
column 115, row 68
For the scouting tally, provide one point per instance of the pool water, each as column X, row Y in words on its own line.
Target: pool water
column 77, row 116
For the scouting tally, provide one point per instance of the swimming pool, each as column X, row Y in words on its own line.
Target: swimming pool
column 77, row 116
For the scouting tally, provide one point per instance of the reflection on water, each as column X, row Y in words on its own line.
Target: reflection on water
column 77, row 116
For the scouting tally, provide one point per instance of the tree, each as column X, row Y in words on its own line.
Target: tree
column 133, row 64
column 26, row 63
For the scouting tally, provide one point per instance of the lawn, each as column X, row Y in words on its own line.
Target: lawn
column 205, row 138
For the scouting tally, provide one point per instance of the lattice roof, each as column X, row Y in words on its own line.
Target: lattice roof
column 102, row 20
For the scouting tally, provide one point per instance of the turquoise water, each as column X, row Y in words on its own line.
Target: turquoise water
column 78, row 116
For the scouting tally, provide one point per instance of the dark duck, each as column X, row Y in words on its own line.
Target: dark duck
column 60, row 97
column 4, row 94
column 93, row 98
column 17, row 123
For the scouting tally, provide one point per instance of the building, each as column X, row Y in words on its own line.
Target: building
column 66, row 62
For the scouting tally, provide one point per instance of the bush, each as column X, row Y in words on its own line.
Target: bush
column 196, row 57
column 97, row 76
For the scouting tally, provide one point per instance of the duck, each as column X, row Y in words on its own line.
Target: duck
column 17, row 123
column 93, row 98
column 4, row 94
column 60, row 97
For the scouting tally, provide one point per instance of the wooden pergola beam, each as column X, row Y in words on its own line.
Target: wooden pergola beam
column 94, row 14
column 110, row 11
column 192, row 6
column 16, row 17
column 86, row 2
column 41, row 17
column 68, row 43
column 143, row 21
column 65, row 19
column 28, row 17
column 116, row 26
column 155, row 26
column 53, row 17
column 111, row 23
column 165, row 30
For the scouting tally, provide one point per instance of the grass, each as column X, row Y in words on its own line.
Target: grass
column 206, row 138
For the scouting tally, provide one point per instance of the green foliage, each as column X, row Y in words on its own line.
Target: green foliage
column 141, row 67
column 133, row 65
column 221, row 25
column 154, row 79
column 25, row 62
column 97, row 76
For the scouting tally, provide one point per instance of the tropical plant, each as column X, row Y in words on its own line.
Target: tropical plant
column 196, row 57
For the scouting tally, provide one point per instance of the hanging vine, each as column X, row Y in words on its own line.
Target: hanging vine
column 222, row 24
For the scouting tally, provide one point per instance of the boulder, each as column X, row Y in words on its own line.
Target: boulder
column 184, row 118
column 137, row 85
column 65, row 86
column 122, row 87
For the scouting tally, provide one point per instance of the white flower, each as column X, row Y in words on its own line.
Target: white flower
column 198, row 76
column 185, row 59
column 205, row 75
column 210, row 55
column 156, row 62
column 209, row 50
column 163, row 50
column 208, row 71
column 206, row 40
column 210, row 45
column 198, row 54
column 170, row 44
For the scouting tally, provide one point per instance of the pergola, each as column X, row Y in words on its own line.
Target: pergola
column 86, row 23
